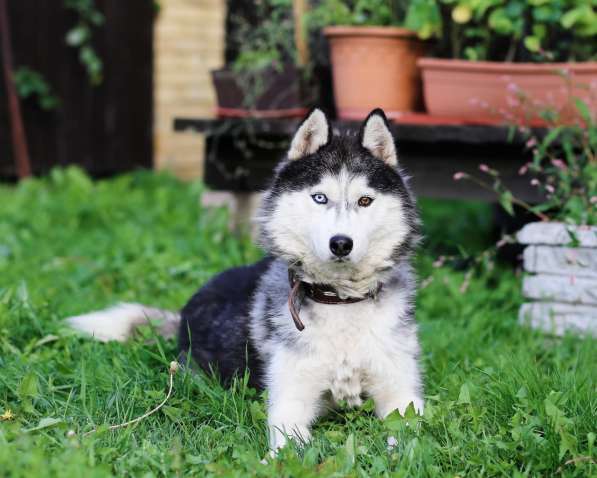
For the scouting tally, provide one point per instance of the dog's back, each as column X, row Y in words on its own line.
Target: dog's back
column 214, row 325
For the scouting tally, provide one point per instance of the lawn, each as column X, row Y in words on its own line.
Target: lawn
column 502, row 400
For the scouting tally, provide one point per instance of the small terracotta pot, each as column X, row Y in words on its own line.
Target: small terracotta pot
column 282, row 95
column 375, row 67
column 507, row 91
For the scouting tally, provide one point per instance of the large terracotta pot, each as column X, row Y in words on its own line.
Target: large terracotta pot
column 375, row 67
column 506, row 91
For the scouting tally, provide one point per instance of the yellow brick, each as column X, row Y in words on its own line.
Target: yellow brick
column 188, row 43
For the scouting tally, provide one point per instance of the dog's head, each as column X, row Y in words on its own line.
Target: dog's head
column 339, row 209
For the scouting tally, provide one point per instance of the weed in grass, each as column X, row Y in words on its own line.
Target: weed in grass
column 501, row 400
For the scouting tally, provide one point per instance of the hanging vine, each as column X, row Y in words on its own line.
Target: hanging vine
column 31, row 84
column 81, row 35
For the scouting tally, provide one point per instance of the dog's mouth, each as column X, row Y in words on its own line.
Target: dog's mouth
column 340, row 260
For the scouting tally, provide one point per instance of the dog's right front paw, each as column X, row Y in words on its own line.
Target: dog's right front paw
column 281, row 434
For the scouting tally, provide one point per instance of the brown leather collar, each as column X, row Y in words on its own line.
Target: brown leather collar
column 321, row 293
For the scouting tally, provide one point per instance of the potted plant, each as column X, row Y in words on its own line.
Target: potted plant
column 560, row 258
column 494, row 48
column 373, row 57
column 264, row 79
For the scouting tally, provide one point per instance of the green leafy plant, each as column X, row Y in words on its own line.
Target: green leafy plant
column 563, row 169
column 424, row 17
column 271, row 42
column 81, row 36
column 31, row 84
column 511, row 30
column 421, row 16
column 266, row 46
column 359, row 13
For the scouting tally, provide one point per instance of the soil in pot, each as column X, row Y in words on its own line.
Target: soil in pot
column 375, row 67
column 273, row 94
column 506, row 92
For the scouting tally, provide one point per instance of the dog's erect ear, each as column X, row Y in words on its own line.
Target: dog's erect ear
column 377, row 138
column 314, row 132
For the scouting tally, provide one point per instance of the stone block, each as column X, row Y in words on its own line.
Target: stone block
column 560, row 288
column 557, row 234
column 579, row 261
column 559, row 318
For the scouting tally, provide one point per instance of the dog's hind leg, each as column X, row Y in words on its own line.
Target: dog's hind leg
column 120, row 322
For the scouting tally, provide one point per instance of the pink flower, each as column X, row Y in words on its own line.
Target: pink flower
column 439, row 262
column 502, row 242
column 508, row 116
column 512, row 102
column 483, row 167
column 549, row 188
column 459, row 175
column 512, row 87
column 523, row 170
column 531, row 142
column 535, row 182
column 593, row 200
column 558, row 163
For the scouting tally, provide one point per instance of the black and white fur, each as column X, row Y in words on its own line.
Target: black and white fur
column 241, row 318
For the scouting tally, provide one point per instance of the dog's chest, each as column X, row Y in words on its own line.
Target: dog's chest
column 344, row 341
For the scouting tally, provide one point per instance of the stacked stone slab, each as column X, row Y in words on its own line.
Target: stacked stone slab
column 561, row 284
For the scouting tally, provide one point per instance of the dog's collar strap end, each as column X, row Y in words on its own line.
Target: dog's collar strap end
column 294, row 304
column 318, row 293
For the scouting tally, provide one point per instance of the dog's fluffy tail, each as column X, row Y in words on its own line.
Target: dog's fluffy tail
column 121, row 321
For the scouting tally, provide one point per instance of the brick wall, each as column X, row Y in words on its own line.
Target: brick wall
column 188, row 43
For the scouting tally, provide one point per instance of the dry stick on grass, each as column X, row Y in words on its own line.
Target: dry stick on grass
column 172, row 370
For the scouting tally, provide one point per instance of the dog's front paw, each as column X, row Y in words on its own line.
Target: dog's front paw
column 281, row 434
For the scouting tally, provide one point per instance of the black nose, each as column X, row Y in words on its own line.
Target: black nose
column 340, row 245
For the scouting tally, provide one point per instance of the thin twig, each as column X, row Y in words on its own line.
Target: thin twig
column 574, row 461
column 515, row 200
column 172, row 370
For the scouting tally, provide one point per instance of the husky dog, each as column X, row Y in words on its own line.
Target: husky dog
column 328, row 314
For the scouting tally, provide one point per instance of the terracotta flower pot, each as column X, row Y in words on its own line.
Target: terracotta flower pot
column 375, row 67
column 506, row 91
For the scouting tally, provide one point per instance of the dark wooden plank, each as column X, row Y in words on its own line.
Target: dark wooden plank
column 105, row 129
column 466, row 134
column 241, row 155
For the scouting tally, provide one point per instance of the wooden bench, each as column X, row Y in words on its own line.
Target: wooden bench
column 241, row 154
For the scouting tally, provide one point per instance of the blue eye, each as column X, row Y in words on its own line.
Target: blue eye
column 320, row 198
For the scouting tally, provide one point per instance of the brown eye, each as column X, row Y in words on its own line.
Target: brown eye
column 365, row 201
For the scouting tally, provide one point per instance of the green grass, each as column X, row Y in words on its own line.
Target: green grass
column 501, row 400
